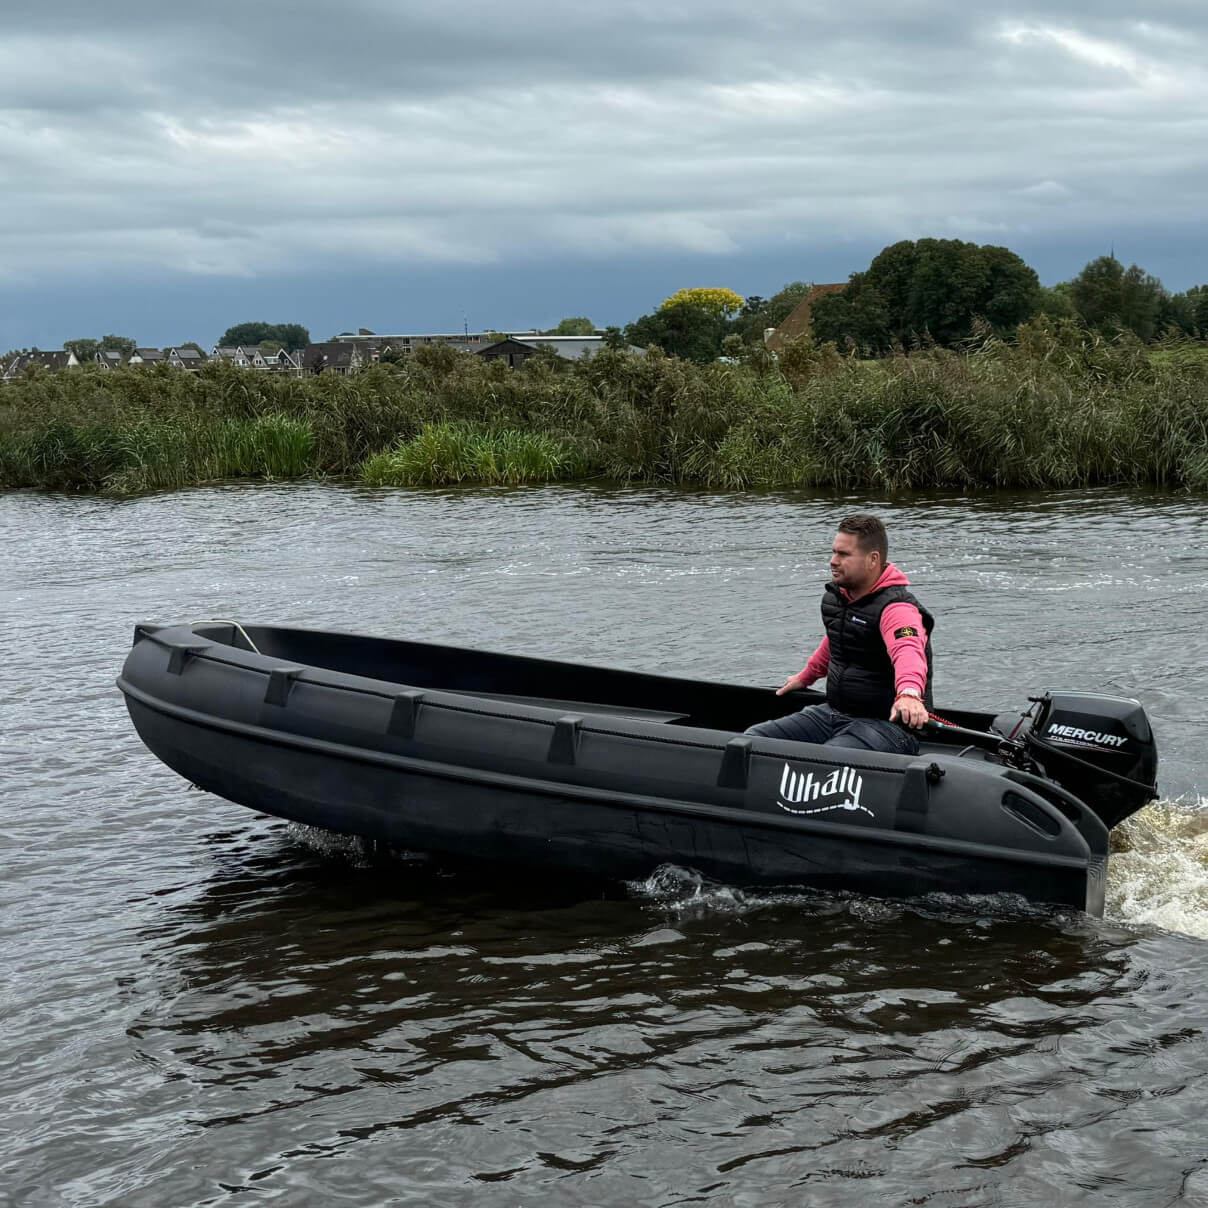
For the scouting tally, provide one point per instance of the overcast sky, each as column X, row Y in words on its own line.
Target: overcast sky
column 168, row 170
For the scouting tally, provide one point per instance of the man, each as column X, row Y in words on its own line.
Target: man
column 876, row 655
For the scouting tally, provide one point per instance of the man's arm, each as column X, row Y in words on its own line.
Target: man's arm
column 815, row 669
column 906, row 640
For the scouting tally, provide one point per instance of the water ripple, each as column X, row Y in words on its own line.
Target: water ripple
column 204, row 1006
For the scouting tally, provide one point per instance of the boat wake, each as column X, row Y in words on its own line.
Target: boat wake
column 1157, row 877
column 351, row 849
column 686, row 894
column 1158, row 871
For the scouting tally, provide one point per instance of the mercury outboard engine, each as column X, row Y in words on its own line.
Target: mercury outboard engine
column 1100, row 748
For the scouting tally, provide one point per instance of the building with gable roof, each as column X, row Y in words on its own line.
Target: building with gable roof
column 255, row 356
column 797, row 322
column 188, row 358
column 53, row 362
column 571, row 348
column 109, row 358
column 334, row 356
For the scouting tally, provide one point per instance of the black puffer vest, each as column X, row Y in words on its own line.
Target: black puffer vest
column 860, row 681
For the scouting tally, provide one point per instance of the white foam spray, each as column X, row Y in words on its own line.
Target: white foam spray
column 1158, row 871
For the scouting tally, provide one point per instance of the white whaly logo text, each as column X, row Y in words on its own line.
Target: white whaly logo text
column 797, row 788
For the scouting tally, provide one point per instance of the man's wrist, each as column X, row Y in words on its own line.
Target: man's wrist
column 913, row 693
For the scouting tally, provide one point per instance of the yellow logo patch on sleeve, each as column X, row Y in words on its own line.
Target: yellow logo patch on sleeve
column 907, row 631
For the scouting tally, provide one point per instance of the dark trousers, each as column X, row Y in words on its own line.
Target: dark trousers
column 822, row 724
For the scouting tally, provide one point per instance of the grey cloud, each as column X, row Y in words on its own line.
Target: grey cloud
column 233, row 56
column 251, row 139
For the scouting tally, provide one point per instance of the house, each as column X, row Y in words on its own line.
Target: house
column 186, row 357
column 797, row 323
column 256, row 356
column 333, row 356
column 571, row 348
column 407, row 342
column 53, row 362
column 181, row 356
column 514, row 352
column 109, row 358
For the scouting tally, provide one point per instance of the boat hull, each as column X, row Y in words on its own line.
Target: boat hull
column 464, row 775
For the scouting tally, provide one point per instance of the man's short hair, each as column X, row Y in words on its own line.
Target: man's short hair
column 869, row 533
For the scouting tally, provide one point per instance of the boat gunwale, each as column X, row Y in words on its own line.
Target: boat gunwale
column 313, row 675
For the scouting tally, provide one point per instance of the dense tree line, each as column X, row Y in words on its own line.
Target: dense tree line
column 929, row 292
column 914, row 293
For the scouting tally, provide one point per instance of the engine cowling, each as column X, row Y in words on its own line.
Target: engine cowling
column 1100, row 748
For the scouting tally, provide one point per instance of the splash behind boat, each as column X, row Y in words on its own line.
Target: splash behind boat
column 545, row 764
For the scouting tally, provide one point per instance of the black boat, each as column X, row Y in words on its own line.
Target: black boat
column 592, row 770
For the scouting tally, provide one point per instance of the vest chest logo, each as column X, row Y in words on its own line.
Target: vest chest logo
column 799, row 788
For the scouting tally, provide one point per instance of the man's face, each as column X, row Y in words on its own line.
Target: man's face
column 850, row 566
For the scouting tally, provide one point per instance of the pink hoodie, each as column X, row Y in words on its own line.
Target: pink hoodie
column 906, row 649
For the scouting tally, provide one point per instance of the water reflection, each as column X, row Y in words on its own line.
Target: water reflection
column 792, row 1035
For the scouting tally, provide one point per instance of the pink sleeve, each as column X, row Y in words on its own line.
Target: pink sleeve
column 906, row 641
column 819, row 662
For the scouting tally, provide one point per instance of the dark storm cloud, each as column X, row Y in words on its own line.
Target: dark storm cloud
column 237, row 140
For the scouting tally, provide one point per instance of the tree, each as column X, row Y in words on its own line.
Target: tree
column 1197, row 296
column 123, row 344
column 721, row 303
column 86, row 349
column 289, row 335
column 614, row 338
column 855, row 316
column 1057, row 302
column 1176, row 314
column 929, row 289
column 1108, row 297
column 689, row 332
column 936, row 287
column 575, row 327
column 1186, row 312
column 1011, row 290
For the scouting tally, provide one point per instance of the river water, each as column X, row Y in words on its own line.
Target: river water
column 204, row 1006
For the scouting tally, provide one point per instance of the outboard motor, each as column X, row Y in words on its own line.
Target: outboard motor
column 1100, row 748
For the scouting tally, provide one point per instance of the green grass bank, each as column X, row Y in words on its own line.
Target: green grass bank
column 1056, row 408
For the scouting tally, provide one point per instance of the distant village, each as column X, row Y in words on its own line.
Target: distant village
column 346, row 354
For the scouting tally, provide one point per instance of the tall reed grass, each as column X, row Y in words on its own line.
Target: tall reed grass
column 440, row 454
column 1055, row 408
